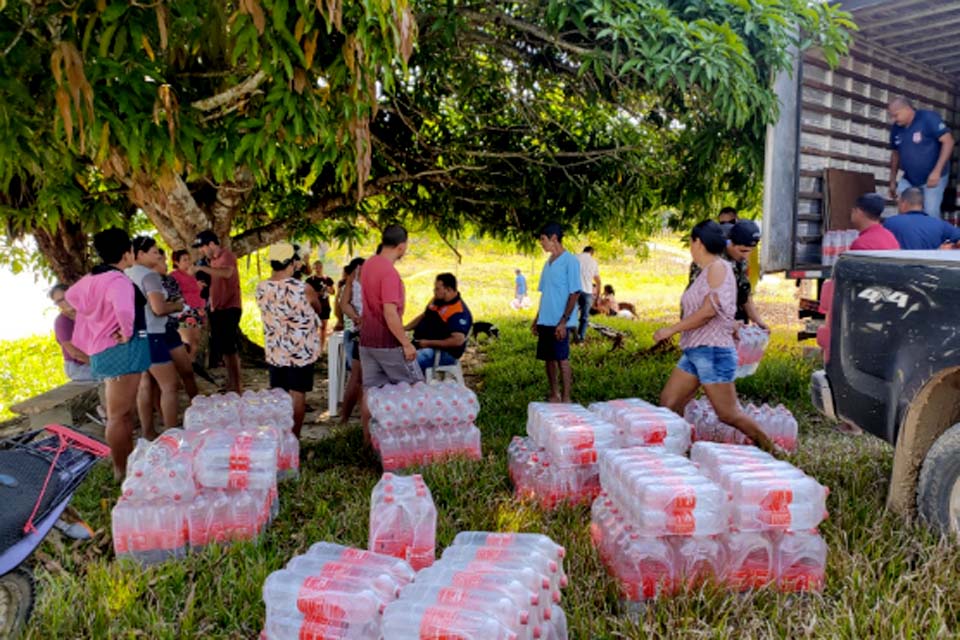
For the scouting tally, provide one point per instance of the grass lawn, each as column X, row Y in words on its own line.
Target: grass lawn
column 886, row 578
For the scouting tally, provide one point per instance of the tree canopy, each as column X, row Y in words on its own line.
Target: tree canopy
column 262, row 119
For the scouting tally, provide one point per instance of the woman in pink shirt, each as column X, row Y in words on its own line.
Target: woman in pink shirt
column 709, row 354
column 111, row 328
column 194, row 314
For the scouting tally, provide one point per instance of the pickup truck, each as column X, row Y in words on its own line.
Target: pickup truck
column 894, row 371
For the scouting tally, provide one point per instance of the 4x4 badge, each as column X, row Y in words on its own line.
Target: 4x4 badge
column 885, row 294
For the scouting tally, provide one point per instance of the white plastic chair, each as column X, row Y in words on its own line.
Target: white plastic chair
column 448, row 370
column 337, row 368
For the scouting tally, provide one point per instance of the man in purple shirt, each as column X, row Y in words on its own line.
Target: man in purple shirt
column 75, row 362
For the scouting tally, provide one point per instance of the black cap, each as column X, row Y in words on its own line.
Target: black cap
column 871, row 204
column 552, row 229
column 204, row 238
column 745, row 233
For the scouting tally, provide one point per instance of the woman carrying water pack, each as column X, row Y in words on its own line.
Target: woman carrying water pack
column 706, row 337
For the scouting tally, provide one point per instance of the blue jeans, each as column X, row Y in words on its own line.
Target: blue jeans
column 932, row 197
column 584, row 302
column 425, row 358
column 712, row 365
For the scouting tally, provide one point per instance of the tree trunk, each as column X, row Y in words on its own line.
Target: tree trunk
column 66, row 250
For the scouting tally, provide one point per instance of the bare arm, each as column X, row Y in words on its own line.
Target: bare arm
column 410, row 326
column 455, row 340
column 395, row 324
column 751, row 309
column 346, row 303
column 74, row 352
column 217, row 272
column 702, row 316
column 161, row 307
column 894, row 168
column 946, row 149
column 312, row 298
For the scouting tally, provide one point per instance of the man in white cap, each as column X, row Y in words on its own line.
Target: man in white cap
column 291, row 328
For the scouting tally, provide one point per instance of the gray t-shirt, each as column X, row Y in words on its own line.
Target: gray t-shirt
column 149, row 281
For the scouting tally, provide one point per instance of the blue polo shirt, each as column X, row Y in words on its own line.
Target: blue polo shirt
column 521, row 282
column 919, row 146
column 916, row 231
column 558, row 280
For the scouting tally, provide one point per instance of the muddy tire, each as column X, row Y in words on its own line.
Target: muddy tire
column 16, row 601
column 938, row 492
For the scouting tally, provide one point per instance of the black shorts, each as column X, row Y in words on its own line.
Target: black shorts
column 159, row 351
column 172, row 338
column 292, row 378
column 325, row 308
column 548, row 347
column 225, row 330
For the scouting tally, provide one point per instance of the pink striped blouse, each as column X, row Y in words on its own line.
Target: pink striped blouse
column 718, row 332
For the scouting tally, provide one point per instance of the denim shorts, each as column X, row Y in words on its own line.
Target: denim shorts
column 133, row 356
column 712, row 365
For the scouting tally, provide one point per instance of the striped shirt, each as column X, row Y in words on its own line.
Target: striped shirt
column 718, row 331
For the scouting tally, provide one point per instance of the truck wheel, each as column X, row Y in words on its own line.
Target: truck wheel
column 16, row 601
column 938, row 492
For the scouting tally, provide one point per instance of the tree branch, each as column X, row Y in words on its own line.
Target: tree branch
column 479, row 18
column 253, row 239
column 232, row 94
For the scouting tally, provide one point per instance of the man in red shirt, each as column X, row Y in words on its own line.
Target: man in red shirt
column 225, row 303
column 387, row 356
column 866, row 216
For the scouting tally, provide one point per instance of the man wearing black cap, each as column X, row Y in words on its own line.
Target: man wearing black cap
column 743, row 237
column 866, row 218
column 225, row 303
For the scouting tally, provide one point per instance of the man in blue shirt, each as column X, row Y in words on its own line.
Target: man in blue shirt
column 915, row 230
column 921, row 145
column 556, row 317
column 519, row 287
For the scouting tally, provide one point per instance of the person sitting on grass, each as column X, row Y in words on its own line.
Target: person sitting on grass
column 709, row 355
column 291, row 329
column 443, row 326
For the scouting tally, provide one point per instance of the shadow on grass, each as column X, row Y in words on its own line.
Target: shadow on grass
column 885, row 578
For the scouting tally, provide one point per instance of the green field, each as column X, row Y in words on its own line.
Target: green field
column 886, row 578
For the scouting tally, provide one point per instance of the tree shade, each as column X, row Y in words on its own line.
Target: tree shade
column 262, row 119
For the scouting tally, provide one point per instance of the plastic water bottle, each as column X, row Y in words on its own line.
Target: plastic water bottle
column 149, row 532
column 401, row 622
column 403, row 520
column 237, row 460
column 750, row 557
column 398, row 568
column 533, row 541
column 801, row 560
column 641, row 424
column 699, row 561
